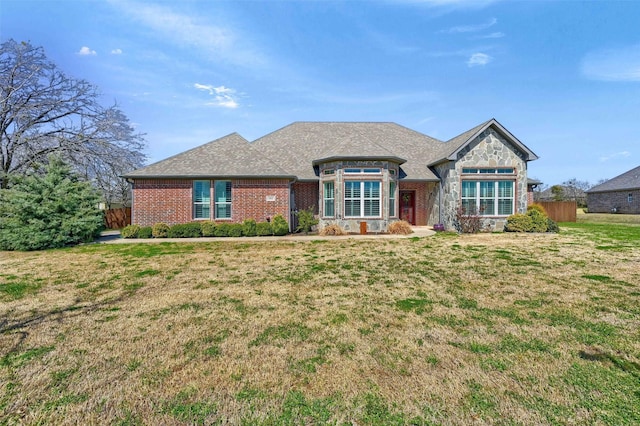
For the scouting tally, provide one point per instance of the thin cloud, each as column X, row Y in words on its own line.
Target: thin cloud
column 86, row 51
column 479, row 59
column 470, row 28
column 218, row 41
column 116, row 52
column 621, row 154
column 222, row 96
column 621, row 64
column 497, row 34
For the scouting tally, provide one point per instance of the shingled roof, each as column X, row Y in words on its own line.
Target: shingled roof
column 298, row 145
column 229, row 156
column 294, row 150
column 624, row 182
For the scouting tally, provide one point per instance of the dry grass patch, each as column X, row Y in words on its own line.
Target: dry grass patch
column 442, row 330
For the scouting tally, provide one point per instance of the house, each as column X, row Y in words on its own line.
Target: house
column 347, row 172
column 618, row 195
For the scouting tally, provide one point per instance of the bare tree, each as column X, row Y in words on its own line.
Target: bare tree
column 43, row 111
column 575, row 190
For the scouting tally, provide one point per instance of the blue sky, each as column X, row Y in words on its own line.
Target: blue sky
column 563, row 76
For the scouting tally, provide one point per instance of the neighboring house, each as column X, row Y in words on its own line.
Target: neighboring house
column 618, row 195
column 347, row 172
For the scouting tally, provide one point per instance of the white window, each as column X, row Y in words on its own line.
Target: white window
column 392, row 199
column 329, row 199
column 488, row 198
column 368, row 171
column 222, row 194
column 201, row 199
column 362, row 199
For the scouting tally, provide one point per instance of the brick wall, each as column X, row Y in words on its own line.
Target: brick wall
column 259, row 199
column 160, row 200
column 306, row 195
column 170, row 201
column 603, row 202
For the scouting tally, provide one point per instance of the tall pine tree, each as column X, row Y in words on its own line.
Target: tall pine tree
column 48, row 210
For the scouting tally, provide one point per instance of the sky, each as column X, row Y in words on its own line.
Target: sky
column 562, row 76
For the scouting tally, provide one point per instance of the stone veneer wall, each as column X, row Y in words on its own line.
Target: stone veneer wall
column 489, row 149
column 604, row 202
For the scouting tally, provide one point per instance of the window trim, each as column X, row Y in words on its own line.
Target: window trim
column 228, row 203
column 362, row 199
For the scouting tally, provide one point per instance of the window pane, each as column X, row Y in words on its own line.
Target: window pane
column 468, row 189
column 352, row 171
column 351, row 208
column 372, row 189
column 505, row 189
column 469, row 206
column 371, row 171
column 505, row 207
column 487, row 207
column 223, row 211
column 487, row 189
column 371, row 208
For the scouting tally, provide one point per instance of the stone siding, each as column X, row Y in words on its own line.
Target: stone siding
column 488, row 150
column 605, row 202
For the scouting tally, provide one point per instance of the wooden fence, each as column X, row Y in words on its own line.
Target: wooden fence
column 560, row 211
column 117, row 218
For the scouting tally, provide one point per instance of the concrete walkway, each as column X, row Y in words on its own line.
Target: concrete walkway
column 113, row 237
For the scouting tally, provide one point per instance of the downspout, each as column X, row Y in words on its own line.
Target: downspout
column 291, row 182
column 131, row 183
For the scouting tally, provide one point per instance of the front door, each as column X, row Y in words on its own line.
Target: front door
column 408, row 206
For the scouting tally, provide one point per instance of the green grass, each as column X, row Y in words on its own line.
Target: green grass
column 503, row 329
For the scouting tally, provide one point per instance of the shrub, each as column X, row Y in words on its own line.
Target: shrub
column 185, row 230
column 552, row 226
column 518, row 223
column 279, row 225
column 48, row 210
column 222, row 229
column 332, row 229
column 537, row 207
column 145, row 232
column 263, row 229
column 467, row 222
column 130, row 231
column 306, row 220
column 208, row 228
column 160, row 230
column 538, row 221
column 400, row 227
column 235, row 230
column 249, row 228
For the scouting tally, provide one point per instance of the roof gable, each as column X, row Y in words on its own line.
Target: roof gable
column 625, row 181
column 231, row 156
column 455, row 145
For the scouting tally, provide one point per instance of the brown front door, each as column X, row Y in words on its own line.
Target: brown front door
column 408, row 206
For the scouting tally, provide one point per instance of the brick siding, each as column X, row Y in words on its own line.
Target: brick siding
column 306, row 195
column 426, row 195
column 604, row 202
column 171, row 200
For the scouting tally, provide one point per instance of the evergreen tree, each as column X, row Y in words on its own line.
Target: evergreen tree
column 48, row 210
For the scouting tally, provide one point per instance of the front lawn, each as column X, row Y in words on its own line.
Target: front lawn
column 487, row 328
